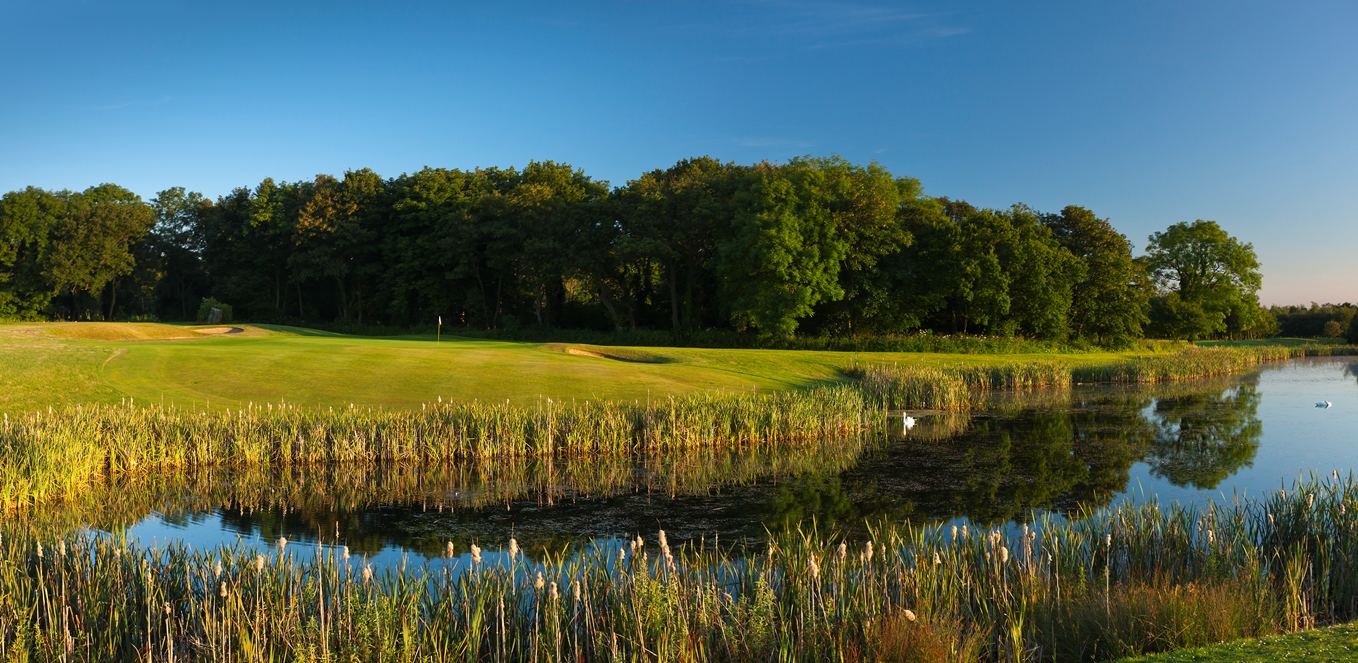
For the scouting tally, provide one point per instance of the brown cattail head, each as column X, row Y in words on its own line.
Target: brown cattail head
column 513, row 549
column 537, row 584
column 450, row 549
column 909, row 615
column 259, row 563
column 476, row 554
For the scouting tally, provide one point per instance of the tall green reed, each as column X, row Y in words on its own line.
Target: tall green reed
column 55, row 454
column 1125, row 580
column 962, row 388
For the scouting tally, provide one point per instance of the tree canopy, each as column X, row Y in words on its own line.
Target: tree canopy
column 1207, row 282
column 815, row 245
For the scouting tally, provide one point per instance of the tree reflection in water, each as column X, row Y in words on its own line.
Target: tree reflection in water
column 1061, row 450
column 1204, row 438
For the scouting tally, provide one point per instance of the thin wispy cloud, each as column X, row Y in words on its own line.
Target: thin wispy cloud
column 771, row 142
column 796, row 25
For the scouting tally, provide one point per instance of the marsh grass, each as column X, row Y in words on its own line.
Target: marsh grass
column 53, row 455
column 1126, row 580
column 962, row 388
column 125, row 499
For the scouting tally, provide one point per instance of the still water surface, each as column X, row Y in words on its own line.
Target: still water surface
column 1027, row 453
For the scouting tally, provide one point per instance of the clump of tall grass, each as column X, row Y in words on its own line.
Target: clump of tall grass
column 124, row 499
column 1121, row 581
column 1190, row 364
column 956, row 388
column 962, row 388
column 55, row 454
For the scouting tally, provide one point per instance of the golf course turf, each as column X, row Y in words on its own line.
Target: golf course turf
column 44, row 364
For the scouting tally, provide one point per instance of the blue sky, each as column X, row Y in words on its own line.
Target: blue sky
column 1147, row 113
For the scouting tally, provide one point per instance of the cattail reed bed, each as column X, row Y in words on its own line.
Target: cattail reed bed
column 962, row 388
column 124, row 499
column 1120, row 581
column 53, row 455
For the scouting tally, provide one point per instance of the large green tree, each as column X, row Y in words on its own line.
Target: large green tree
column 334, row 236
column 865, row 209
column 781, row 252
column 1109, row 304
column 176, row 242
column 92, row 244
column 1207, row 281
column 672, row 216
column 27, row 218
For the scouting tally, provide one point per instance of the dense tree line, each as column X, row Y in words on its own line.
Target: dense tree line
column 811, row 246
column 1314, row 321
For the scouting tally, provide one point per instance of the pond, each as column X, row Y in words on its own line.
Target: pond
column 1058, row 450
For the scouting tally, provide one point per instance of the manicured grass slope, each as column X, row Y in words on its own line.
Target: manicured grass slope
column 54, row 363
column 1335, row 644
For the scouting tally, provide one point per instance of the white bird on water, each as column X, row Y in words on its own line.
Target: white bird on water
column 907, row 422
column 1324, row 404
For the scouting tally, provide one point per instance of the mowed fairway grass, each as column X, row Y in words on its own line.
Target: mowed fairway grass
column 44, row 364
column 1327, row 645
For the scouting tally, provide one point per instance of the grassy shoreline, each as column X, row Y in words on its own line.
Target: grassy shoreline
column 52, row 456
column 962, row 388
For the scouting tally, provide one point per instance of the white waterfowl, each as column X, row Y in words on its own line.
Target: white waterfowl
column 907, row 422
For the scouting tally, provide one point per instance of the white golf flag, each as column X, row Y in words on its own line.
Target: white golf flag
column 440, row 321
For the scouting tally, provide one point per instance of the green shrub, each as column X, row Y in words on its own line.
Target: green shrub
column 205, row 309
column 1352, row 336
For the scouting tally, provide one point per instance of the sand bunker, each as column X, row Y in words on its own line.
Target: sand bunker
column 117, row 331
column 220, row 330
column 630, row 356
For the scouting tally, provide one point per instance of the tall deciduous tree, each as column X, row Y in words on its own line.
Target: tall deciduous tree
column 672, row 215
column 864, row 203
column 781, row 254
column 1109, row 304
column 334, row 235
column 27, row 218
column 92, row 244
column 177, row 242
column 1208, row 281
